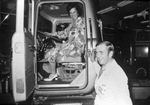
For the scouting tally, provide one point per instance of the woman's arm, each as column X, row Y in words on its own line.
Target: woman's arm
column 51, row 34
column 65, row 33
column 60, row 34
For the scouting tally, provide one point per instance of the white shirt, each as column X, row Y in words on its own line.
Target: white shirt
column 112, row 86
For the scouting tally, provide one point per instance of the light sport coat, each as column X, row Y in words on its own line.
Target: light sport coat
column 112, row 86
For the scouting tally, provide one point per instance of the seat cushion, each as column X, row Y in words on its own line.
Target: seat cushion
column 69, row 59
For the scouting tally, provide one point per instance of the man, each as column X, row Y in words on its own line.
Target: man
column 111, row 83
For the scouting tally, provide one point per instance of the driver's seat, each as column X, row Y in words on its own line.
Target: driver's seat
column 69, row 68
column 72, row 58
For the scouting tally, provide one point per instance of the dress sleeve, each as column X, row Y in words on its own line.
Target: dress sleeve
column 65, row 33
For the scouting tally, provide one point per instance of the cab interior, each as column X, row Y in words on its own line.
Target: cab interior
column 53, row 17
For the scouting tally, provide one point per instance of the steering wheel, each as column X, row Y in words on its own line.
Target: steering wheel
column 45, row 42
column 55, row 38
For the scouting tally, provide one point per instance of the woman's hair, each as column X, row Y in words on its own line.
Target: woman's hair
column 76, row 6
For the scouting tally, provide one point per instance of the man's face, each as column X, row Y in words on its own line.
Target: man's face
column 102, row 54
column 73, row 14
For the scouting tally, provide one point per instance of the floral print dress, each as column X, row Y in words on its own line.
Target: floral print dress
column 73, row 47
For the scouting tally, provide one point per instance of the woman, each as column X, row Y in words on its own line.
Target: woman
column 75, row 33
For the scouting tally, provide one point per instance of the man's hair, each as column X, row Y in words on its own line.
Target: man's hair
column 108, row 44
column 76, row 6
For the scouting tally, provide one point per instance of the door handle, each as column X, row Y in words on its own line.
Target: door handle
column 91, row 32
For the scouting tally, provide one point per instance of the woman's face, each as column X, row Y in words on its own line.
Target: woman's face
column 73, row 13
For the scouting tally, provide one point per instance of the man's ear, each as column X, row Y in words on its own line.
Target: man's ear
column 111, row 53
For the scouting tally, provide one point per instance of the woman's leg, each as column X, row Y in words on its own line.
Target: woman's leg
column 52, row 66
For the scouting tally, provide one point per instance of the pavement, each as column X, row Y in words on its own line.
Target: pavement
column 7, row 99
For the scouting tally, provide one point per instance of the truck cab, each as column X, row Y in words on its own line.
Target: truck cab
column 30, row 42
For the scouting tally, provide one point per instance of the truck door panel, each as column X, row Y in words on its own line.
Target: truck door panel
column 22, row 58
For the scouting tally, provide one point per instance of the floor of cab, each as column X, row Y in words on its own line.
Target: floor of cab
column 42, row 74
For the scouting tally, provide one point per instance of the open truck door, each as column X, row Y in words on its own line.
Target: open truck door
column 75, row 74
column 23, row 76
